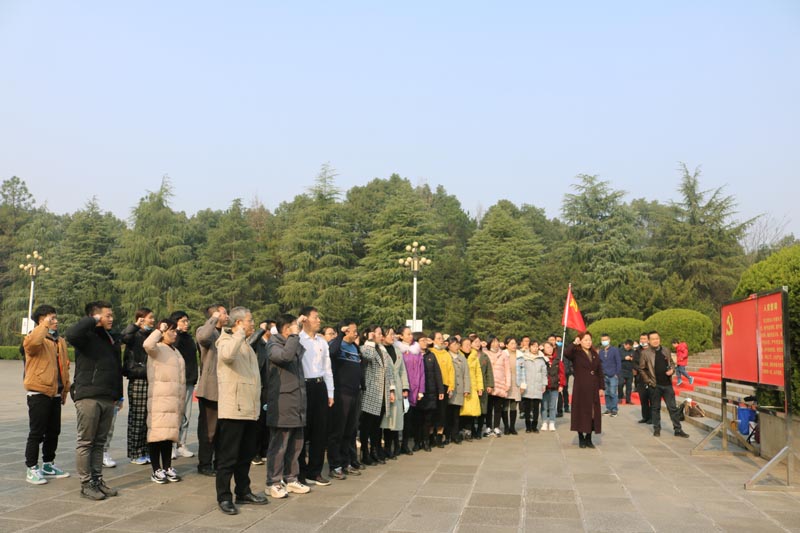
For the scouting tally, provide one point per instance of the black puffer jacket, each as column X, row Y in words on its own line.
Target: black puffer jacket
column 98, row 371
column 188, row 349
column 134, row 362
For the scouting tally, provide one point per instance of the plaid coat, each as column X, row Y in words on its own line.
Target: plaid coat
column 378, row 381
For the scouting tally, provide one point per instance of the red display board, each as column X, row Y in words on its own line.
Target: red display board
column 770, row 342
column 739, row 341
column 753, row 340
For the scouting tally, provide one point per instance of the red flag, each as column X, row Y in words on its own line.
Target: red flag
column 572, row 315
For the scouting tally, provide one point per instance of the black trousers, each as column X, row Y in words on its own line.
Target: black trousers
column 410, row 420
column 263, row 435
column 624, row 388
column 44, row 417
column 453, row 421
column 440, row 417
column 342, row 428
column 644, row 398
column 370, row 433
column 312, row 456
column 160, row 454
column 206, row 434
column 530, row 412
column 494, row 411
column 423, row 425
column 666, row 392
column 563, row 398
column 236, row 446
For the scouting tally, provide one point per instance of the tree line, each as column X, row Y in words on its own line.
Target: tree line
column 504, row 271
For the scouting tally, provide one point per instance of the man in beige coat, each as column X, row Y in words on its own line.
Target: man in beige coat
column 239, row 405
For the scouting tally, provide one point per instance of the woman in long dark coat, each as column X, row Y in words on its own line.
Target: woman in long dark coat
column 434, row 391
column 588, row 386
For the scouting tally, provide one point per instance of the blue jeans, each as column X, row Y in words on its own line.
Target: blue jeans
column 611, row 393
column 549, row 404
column 681, row 371
column 187, row 414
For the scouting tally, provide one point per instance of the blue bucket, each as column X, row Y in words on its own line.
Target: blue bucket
column 745, row 416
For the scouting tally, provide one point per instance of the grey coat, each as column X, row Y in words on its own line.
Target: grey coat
column 536, row 376
column 207, row 385
column 286, row 384
column 462, row 379
column 378, row 381
column 393, row 418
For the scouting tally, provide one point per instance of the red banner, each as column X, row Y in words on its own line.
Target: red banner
column 770, row 342
column 739, row 342
column 572, row 315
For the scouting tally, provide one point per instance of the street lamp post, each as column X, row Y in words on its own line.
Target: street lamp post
column 33, row 268
column 415, row 262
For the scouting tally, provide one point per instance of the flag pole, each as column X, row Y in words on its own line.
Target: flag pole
column 566, row 319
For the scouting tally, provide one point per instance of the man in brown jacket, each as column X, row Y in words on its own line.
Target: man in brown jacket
column 47, row 384
column 239, row 405
column 656, row 369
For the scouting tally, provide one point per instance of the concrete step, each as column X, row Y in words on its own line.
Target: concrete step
column 732, row 388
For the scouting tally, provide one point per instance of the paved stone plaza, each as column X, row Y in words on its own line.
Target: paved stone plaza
column 534, row 482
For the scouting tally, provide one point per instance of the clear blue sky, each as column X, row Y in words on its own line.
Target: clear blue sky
column 490, row 99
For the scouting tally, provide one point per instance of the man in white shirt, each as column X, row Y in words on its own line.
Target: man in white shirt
column 319, row 397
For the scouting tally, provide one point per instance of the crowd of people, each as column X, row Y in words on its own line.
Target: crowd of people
column 289, row 393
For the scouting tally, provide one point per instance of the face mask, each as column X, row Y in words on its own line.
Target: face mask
column 559, row 343
column 273, row 330
column 148, row 328
column 643, row 345
column 605, row 343
column 53, row 332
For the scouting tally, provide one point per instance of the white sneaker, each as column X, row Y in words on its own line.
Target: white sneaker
column 278, row 491
column 159, row 476
column 297, row 488
column 488, row 432
column 552, row 426
column 497, row 432
column 183, row 451
column 108, row 462
column 172, row 475
column 35, row 476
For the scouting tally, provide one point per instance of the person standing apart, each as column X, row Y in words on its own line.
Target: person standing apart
column 208, row 388
column 166, row 397
column 239, row 404
column 186, row 346
column 319, row 395
column 286, row 408
column 682, row 355
column 625, row 386
column 96, row 387
column 657, row 368
column 589, row 382
column 612, row 365
column 46, row 382
column 135, row 365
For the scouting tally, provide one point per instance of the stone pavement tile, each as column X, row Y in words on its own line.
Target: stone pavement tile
column 196, row 528
column 609, row 490
column 444, row 491
column 426, row 504
column 8, row 525
column 550, row 495
column 785, row 518
column 750, row 524
column 483, row 528
column 487, row 474
column 380, row 509
column 501, row 486
column 248, row 515
column 360, row 525
column 152, row 520
column 304, row 512
column 382, row 489
column 483, row 499
column 581, row 477
column 442, row 522
column 540, row 525
column 74, row 523
column 552, row 510
column 457, row 469
column 601, row 503
column 196, row 505
column 616, row 522
column 771, row 501
column 549, row 482
column 491, row 516
column 36, row 511
column 453, row 479
column 329, row 499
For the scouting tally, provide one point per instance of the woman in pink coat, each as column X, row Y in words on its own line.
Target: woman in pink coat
column 501, row 369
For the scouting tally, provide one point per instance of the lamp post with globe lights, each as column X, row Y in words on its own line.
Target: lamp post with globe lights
column 414, row 261
column 33, row 269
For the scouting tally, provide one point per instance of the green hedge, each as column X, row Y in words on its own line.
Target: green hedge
column 12, row 352
column 618, row 328
column 779, row 269
column 690, row 326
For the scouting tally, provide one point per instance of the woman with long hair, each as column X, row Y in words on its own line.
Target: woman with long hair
column 501, row 370
column 379, row 395
column 589, row 384
column 392, row 423
column 514, row 394
column 554, row 384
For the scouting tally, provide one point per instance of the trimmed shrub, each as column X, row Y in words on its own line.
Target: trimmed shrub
column 690, row 326
column 618, row 328
column 779, row 269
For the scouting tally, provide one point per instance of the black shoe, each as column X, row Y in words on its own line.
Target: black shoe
column 427, row 447
column 566, row 410
column 227, row 507
column 358, row 466
column 251, row 499
column 512, row 431
column 581, row 441
column 366, row 461
column 681, row 433
column 337, row 473
column 589, row 443
column 91, row 491
column 352, row 471
column 643, row 421
column 416, row 447
column 377, row 459
column 319, row 480
column 535, row 430
column 210, row 472
column 440, row 441
column 404, row 450
column 656, row 432
column 560, row 415
column 105, row 489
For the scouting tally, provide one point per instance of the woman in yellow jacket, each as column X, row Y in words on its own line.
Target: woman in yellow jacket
column 471, row 410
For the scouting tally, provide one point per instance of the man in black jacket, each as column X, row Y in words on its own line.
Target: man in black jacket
column 259, row 341
column 346, row 367
column 97, row 385
column 641, row 385
column 188, row 349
